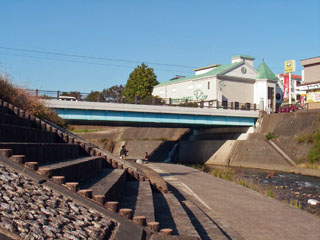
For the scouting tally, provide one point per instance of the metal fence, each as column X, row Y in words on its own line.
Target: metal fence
column 47, row 94
column 214, row 104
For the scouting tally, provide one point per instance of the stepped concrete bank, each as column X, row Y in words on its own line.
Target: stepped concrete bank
column 56, row 185
column 98, row 195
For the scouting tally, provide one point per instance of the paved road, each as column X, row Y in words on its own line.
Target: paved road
column 248, row 213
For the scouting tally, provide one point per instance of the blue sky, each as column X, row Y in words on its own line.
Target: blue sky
column 174, row 32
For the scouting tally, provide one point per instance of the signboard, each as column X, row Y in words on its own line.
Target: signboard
column 308, row 87
column 286, row 88
column 313, row 96
column 290, row 66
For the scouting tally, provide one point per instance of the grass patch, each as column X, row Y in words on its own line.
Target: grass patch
column 295, row 203
column 201, row 167
column 307, row 138
column 222, row 173
column 270, row 135
column 309, row 165
column 270, row 193
column 314, row 154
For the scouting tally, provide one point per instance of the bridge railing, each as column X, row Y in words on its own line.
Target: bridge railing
column 215, row 104
column 47, row 94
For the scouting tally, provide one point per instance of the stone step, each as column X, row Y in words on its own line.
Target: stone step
column 43, row 152
column 13, row 133
column 170, row 214
column 5, row 109
column 74, row 170
column 6, row 118
column 107, row 183
column 138, row 197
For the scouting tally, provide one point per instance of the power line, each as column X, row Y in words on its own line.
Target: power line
column 85, row 62
column 91, row 57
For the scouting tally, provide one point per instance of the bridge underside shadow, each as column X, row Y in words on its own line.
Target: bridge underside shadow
column 143, row 124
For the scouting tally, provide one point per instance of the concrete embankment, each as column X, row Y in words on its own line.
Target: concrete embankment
column 228, row 146
column 282, row 153
column 202, row 144
column 137, row 140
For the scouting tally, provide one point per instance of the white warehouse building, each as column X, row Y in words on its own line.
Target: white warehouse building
column 235, row 82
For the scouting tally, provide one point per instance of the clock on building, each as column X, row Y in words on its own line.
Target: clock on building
column 243, row 70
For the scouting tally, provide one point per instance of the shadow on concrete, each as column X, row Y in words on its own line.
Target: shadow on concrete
column 89, row 181
column 129, row 198
column 162, row 212
column 194, row 220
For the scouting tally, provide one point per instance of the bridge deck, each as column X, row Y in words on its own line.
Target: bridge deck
column 241, row 211
column 92, row 111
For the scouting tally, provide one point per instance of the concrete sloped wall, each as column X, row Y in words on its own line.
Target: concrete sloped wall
column 291, row 124
column 198, row 151
column 137, row 149
column 137, row 140
column 288, row 127
column 256, row 154
column 223, row 155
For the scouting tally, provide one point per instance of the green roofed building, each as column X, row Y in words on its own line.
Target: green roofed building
column 238, row 81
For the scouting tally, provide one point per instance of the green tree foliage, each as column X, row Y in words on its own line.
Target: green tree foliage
column 140, row 83
column 113, row 94
column 95, row 96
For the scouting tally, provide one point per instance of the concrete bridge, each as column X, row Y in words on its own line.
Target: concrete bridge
column 90, row 112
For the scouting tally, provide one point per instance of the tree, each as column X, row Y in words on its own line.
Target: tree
column 140, row 83
column 95, row 96
column 113, row 94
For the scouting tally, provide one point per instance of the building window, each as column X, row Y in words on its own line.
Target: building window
column 208, row 85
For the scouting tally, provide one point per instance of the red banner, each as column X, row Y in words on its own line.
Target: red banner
column 286, row 88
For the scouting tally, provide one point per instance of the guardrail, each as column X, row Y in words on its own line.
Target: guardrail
column 47, row 94
column 215, row 104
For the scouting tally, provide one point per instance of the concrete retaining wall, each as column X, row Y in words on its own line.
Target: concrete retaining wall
column 223, row 155
column 289, row 127
column 137, row 149
column 198, row 151
column 256, row 154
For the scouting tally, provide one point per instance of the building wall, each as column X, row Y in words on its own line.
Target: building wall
column 195, row 90
column 312, row 73
column 232, row 91
column 260, row 91
column 250, row 73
